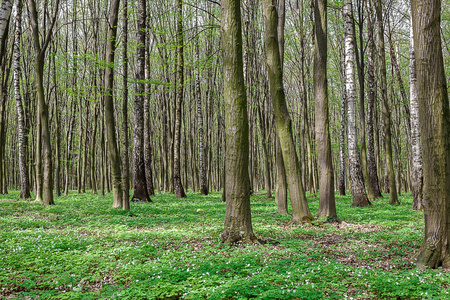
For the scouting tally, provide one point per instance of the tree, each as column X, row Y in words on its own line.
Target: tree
column 415, row 130
column 434, row 129
column 281, row 184
column 238, row 223
column 23, row 166
column 198, row 94
column 40, row 49
column 327, row 204
column 300, row 209
column 108, row 112
column 393, row 199
column 179, row 190
column 358, row 188
column 140, row 182
column 125, row 167
column 371, row 71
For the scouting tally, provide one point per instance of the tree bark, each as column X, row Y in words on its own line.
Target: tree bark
column 140, row 181
column 415, row 131
column 179, row 190
column 198, row 93
column 39, row 53
column 357, row 181
column 125, row 166
column 371, row 69
column 24, row 182
column 110, row 124
column 300, row 209
column 393, row 198
column 342, row 142
column 434, row 129
column 327, row 204
column 238, row 224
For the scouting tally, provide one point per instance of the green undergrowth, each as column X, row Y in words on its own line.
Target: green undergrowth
column 170, row 249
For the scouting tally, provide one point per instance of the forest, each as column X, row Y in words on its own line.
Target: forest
column 131, row 129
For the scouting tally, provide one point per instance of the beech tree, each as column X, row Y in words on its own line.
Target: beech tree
column 327, row 205
column 40, row 48
column 434, row 116
column 238, row 223
column 108, row 112
column 393, row 199
column 140, row 182
column 300, row 209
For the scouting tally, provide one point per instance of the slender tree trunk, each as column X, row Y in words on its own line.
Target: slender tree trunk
column 39, row 51
column 415, row 131
column 371, row 69
column 109, row 107
column 327, row 204
column 357, row 181
column 24, row 182
column 342, row 144
column 281, row 184
column 434, row 129
column 125, row 166
column 393, row 199
column 140, row 181
column 300, row 209
column 93, row 147
column 147, row 124
column 179, row 190
column 201, row 147
column 362, row 116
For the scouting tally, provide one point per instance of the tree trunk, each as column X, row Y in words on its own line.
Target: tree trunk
column 109, row 107
column 371, row 69
column 393, row 199
column 24, row 182
column 125, row 166
column 435, row 129
column 300, row 209
column 39, row 51
column 238, row 224
column 342, row 144
column 179, row 190
column 201, row 147
column 357, row 181
column 147, row 125
column 140, row 181
column 415, row 131
column 327, row 204
column 362, row 117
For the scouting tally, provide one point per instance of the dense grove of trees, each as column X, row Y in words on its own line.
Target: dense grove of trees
column 239, row 96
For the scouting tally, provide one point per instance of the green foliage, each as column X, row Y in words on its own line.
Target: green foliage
column 170, row 249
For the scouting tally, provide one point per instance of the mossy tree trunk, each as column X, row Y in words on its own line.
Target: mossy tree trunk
column 393, row 198
column 300, row 209
column 435, row 131
column 327, row 204
column 110, row 124
column 238, row 224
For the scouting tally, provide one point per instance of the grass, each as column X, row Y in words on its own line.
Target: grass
column 170, row 249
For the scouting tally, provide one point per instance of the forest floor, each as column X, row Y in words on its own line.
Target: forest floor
column 170, row 249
